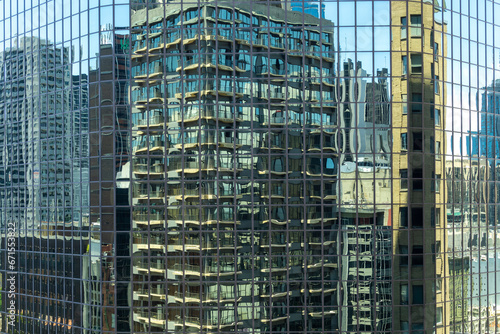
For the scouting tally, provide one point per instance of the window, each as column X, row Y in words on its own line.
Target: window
column 404, row 61
column 403, row 217
column 438, row 182
column 417, row 328
column 404, row 294
column 404, row 100
column 403, row 251
column 404, row 24
column 432, row 145
column 404, row 141
column 417, row 179
column 438, row 150
column 417, row 217
column 416, row 25
column 417, row 141
column 438, row 284
column 437, row 117
column 416, row 102
column 433, row 217
column 416, row 63
column 417, row 259
column 418, row 294
column 436, row 85
column 404, row 327
column 439, row 316
column 403, row 174
column 438, row 217
column 278, row 165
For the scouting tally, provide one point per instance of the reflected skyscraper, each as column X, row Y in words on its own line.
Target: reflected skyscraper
column 249, row 166
column 314, row 8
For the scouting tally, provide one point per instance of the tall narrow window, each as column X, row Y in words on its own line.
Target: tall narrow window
column 416, row 25
column 416, row 63
column 404, row 102
column 416, row 102
column 417, row 141
column 439, row 316
column 417, row 217
column 404, row 294
column 404, row 141
column 403, row 217
column 404, row 27
column 403, row 251
column 438, row 150
column 417, row 179
column 403, row 174
column 404, row 62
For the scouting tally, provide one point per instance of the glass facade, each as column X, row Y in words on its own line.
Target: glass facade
column 249, row 166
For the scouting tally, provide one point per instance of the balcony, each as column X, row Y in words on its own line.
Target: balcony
column 326, row 194
column 152, row 195
column 205, row 270
column 210, row 165
column 275, row 318
column 321, row 264
column 145, row 217
column 222, row 141
column 152, row 268
column 154, row 242
column 319, row 288
column 320, row 312
column 193, row 244
column 205, row 297
column 277, row 95
column 275, row 292
column 318, row 242
column 206, row 114
column 140, row 46
column 155, row 318
column 153, row 145
column 205, row 324
column 315, row 170
column 153, row 121
column 157, row 293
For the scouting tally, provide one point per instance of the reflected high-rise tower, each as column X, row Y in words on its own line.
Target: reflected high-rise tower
column 419, row 43
column 234, row 170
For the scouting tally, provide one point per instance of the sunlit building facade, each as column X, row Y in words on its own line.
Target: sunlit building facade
column 249, row 166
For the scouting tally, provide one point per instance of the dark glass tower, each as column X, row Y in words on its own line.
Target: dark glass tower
column 249, row 166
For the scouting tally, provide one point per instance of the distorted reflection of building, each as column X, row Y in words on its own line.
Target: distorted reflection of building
column 364, row 116
column 233, row 159
column 418, row 47
column 489, row 131
column 36, row 169
column 314, row 8
column 365, row 201
column 110, row 227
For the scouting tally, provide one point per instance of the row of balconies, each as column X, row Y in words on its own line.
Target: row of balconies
column 275, row 292
column 189, row 116
column 274, row 192
column 160, row 121
column 225, row 88
column 241, row 34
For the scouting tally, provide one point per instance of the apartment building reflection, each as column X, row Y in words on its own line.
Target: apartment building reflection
column 106, row 266
column 420, row 242
column 223, row 143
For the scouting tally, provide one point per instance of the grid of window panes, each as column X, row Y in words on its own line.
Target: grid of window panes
column 249, row 166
